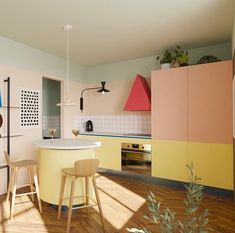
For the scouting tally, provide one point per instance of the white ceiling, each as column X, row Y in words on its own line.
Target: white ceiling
column 106, row 31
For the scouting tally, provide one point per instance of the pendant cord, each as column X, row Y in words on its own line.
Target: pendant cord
column 66, row 102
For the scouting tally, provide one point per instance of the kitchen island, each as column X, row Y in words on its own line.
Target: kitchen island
column 55, row 154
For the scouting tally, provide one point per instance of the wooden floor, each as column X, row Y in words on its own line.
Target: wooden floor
column 124, row 205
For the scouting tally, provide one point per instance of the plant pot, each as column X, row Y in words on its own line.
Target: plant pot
column 176, row 64
column 165, row 66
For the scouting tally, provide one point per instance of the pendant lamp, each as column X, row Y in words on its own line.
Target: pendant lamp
column 67, row 102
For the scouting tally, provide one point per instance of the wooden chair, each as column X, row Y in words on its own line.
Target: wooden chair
column 31, row 166
column 82, row 168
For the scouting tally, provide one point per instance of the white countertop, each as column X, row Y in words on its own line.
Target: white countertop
column 67, row 144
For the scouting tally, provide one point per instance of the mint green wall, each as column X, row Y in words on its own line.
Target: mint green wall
column 121, row 70
column 22, row 56
column 50, row 97
column 222, row 51
column 129, row 69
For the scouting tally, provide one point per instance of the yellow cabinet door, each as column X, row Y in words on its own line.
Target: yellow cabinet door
column 109, row 153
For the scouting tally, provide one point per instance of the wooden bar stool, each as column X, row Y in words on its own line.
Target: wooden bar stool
column 31, row 166
column 82, row 168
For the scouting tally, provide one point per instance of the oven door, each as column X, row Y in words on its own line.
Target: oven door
column 136, row 162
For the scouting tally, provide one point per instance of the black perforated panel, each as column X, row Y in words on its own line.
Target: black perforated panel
column 29, row 108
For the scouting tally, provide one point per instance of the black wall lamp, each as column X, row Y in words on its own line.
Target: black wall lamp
column 102, row 90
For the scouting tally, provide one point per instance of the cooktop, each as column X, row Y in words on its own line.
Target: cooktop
column 138, row 134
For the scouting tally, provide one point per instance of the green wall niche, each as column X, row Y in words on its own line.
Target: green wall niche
column 50, row 97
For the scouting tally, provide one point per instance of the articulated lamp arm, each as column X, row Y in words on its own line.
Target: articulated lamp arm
column 102, row 90
column 81, row 98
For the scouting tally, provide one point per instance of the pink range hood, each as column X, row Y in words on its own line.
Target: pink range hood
column 139, row 98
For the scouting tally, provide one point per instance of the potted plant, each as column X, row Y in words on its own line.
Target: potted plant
column 165, row 59
column 180, row 57
column 195, row 220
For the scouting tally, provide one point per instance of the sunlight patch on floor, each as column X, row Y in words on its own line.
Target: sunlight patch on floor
column 124, row 195
column 120, row 203
column 24, row 209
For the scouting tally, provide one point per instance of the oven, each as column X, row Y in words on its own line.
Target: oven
column 136, row 158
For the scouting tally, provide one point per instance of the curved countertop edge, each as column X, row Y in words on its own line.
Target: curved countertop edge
column 114, row 135
column 67, row 144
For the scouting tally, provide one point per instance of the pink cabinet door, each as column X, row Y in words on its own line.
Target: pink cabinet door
column 210, row 102
column 169, row 104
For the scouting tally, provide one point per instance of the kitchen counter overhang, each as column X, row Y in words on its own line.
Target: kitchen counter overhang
column 67, row 144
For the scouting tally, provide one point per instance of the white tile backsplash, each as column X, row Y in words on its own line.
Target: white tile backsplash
column 51, row 122
column 115, row 123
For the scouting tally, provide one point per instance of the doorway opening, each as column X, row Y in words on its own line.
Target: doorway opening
column 51, row 113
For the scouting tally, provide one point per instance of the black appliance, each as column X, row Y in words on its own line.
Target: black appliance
column 89, row 126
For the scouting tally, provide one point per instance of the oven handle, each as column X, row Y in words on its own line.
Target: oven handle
column 136, row 152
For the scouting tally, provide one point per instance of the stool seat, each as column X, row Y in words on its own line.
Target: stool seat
column 86, row 169
column 70, row 171
column 24, row 163
column 31, row 167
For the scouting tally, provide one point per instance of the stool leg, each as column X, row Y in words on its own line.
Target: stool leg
column 31, row 182
column 70, row 204
column 87, row 192
column 98, row 201
column 37, row 188
column 14, row 181
column 10, row 185
column 63, row 180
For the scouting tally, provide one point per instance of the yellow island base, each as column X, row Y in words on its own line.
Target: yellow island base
column 54, row 158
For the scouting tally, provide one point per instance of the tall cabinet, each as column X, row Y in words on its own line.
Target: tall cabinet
column 192, row 122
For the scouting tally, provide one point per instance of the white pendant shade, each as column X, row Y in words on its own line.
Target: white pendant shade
column 67, row 102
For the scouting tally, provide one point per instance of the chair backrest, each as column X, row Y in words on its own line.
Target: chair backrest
column 7, row 158
column 86, row 167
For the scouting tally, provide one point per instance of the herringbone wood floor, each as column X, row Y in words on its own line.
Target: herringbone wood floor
column 124, row 205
